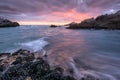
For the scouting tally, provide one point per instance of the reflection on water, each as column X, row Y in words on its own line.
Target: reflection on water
column 97, row 50
column 94, row 52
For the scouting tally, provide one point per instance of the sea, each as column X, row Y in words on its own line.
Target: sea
column 87, row 52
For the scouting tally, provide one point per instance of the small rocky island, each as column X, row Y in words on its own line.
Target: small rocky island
column 54, row 26
column 107, row 21
column 7, row 23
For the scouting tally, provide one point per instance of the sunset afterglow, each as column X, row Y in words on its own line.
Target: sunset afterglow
column 45, row 12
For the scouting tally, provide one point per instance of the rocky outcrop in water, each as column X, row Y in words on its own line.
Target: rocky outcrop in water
column 7, row 23
column 22, row 65
column 54, row 26
column 111, row 21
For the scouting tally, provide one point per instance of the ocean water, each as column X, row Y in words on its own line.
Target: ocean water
column 87, row 52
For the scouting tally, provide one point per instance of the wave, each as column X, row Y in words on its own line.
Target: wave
column 80, row 73
column 35, row 45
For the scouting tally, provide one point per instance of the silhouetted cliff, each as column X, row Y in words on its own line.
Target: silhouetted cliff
column 106, row 21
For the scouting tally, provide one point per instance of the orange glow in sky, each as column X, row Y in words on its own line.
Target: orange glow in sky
column 41, row 23
column 59, row 18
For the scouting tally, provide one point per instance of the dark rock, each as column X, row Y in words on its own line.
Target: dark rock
column 21, row 52
column 38, row 69
column 111, row 21
column 4, row 54
column 89, row 77
column 18, row 61
column 57, row 76
column 26, row 68
column 54, row 26
column 53, row 76
column 2, row 68
column 31, row 57
column 23, row 56
column 79, row 63
column 7, row 23
column 14, row 73
column 59, row 70
column 68, row 78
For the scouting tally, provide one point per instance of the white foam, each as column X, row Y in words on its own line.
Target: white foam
column 35, row 45
column 99, row 75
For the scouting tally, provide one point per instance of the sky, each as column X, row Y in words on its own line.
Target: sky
column 45, row 12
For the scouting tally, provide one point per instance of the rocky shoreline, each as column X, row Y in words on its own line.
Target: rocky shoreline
column 107, row 21
column 23, row 65
column 7, row 23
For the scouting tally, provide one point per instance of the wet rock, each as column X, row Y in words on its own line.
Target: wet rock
column 4, row 54
column 25, row 67
column 68, row 78
column 59, row 70
column 28, row 58
column 14, row 73
column 21, row 52
column 57, row 76
column 2, row 68
column 17, row 61
column 28, row 78
column 53, row 76
column 81, row 64
column 23, row 56
column 38, row 69
column 89, row 77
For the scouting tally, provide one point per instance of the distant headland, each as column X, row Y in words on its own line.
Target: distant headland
column 107, row 21
column 7, row 23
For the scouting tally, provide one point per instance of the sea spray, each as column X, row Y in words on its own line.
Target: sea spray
column 35, row 45
column 81, row 73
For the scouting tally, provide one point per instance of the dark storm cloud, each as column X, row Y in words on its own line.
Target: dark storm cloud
column 23, row 9
column 27, row 6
